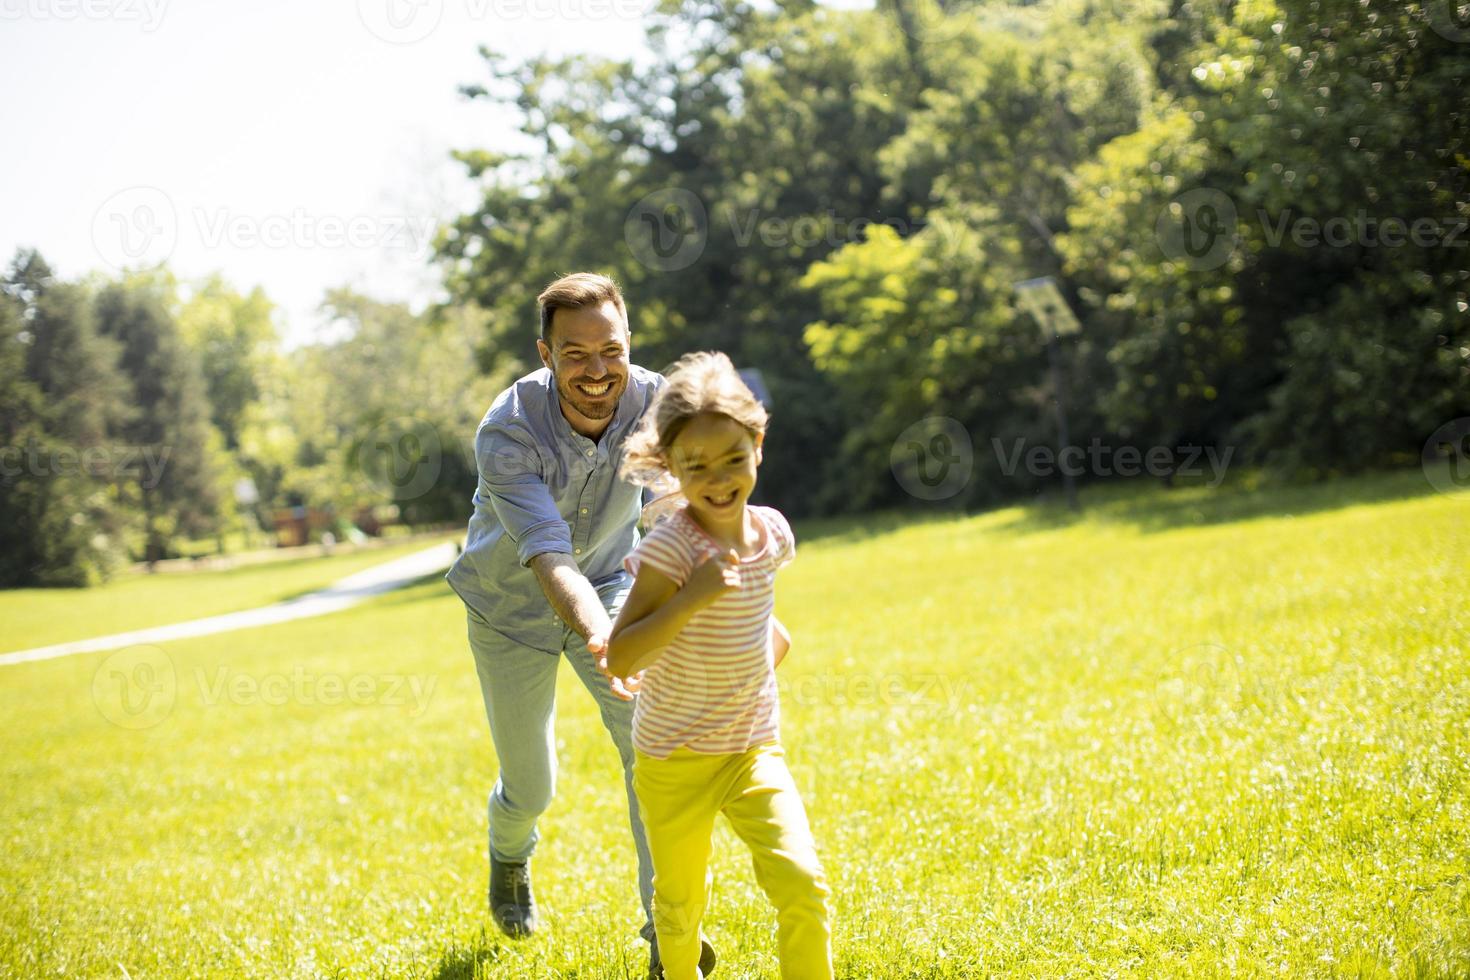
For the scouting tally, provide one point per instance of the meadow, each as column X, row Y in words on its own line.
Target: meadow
column 1188, row 732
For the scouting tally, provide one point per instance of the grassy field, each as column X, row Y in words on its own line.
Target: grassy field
column 41, row 617
column 1191, row 733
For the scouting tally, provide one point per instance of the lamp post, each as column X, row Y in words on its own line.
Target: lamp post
column 1043, row 300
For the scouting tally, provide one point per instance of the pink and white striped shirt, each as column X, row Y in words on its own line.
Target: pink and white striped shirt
column 714, row 689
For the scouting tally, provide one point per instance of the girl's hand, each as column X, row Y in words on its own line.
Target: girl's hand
column 623, row 689
column 715, row 577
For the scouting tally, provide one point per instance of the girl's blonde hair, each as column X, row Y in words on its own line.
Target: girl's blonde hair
column 704, row 382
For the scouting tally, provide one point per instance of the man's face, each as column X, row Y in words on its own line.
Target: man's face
column 588, row 357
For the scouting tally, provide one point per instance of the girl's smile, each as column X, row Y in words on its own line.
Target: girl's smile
column 714, row 459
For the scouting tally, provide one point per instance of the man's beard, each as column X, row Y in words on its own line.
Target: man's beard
column 599, row 409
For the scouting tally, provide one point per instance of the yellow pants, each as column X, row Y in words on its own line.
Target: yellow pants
column 680, row 797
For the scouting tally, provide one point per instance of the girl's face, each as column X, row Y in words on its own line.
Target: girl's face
column 714, row 458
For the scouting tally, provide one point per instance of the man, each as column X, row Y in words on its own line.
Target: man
column 541, row 574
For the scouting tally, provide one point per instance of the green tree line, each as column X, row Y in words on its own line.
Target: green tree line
column 844, row 199
column 1256, row 209
column 143, row 418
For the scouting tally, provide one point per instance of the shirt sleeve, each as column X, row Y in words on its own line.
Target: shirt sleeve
column 785, row 538
column 664, row 550
column 510, row 471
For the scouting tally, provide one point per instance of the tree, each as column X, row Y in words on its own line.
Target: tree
column 61, row 519
column 233, row 336
column 181, row 496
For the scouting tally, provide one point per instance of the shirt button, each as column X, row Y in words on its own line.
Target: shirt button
column 591, row 452
column 576, row 551
column 584, row 510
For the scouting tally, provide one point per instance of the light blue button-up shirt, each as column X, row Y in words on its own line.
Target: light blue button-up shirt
column 545, row 488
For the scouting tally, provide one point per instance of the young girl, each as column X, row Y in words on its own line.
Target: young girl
column 699, row 625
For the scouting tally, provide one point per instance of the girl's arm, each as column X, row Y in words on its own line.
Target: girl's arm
column 657, row 609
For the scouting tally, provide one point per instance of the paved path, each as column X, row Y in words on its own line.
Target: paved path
column 340, row 595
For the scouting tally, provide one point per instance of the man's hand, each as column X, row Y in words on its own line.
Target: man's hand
column 625, row 689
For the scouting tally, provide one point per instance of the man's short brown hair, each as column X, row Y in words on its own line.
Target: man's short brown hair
column 577, row 291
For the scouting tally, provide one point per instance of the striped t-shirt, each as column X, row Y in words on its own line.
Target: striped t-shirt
column 714, row 689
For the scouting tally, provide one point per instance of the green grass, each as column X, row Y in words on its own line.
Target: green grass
column 1217, row 734
column 41, row 617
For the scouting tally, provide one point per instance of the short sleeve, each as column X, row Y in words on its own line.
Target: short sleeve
column 665, row 549
column 785, row 544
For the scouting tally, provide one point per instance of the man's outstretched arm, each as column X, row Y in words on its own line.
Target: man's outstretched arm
column 572, row 597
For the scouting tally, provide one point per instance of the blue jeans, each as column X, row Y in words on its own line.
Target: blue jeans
column 519, row 687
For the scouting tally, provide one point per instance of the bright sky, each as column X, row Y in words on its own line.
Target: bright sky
column 291, row 145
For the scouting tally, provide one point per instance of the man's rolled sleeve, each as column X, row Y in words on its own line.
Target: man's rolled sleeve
column 510, row 471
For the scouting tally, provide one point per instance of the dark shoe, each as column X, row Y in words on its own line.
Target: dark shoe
column 511, row 904
column 706, row 960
